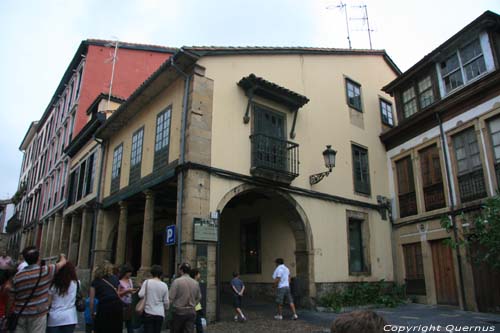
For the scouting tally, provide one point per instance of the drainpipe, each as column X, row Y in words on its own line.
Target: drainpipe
column 102, row 149
column 452, row 207
column 187, row 82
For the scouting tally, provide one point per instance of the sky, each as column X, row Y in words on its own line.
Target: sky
column 39, row 39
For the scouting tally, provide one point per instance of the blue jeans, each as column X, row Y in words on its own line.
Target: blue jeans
column 61, row 329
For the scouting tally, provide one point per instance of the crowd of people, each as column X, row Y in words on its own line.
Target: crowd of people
column 36, row 297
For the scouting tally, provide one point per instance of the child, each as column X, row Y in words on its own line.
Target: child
column 89, row 323
column 238, row 289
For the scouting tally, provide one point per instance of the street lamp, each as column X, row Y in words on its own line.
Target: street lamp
column 329, row 156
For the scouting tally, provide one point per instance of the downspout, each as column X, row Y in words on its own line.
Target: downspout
column 187, row 82
column 102, row 150
column 452, row 207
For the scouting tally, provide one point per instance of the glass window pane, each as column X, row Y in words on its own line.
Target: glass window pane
column 475, row 68
column 449, row 65
column 470, row 51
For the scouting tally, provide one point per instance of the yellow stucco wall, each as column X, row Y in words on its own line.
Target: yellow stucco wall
column 324, row 120
column 147, row 118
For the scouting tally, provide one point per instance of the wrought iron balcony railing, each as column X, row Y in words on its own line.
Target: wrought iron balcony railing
column 407, row 204
column 434, row 197
column 275, row 155
column 472, row 186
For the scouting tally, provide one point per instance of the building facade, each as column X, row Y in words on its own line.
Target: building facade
column 444, row 161
column 46, row 168
column 220, row 153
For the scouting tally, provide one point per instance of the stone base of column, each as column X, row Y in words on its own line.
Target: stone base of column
column 144, row 273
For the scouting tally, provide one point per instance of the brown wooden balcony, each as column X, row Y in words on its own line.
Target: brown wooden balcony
column 434, row 197
column 407, row 204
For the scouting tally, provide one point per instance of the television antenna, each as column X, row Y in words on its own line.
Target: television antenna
column 365, row 20
column 343, row 7
column 113, row 58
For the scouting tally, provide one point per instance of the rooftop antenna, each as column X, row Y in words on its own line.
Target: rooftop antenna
column 365, row 19
column 343, row 6
column 113, row 58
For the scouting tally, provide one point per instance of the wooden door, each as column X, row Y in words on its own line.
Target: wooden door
column 444, row 273
column 485, row 284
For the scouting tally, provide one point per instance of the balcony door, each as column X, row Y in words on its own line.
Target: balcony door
column 270, row 146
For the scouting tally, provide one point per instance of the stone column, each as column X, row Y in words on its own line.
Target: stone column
column 54, row 249
column 85, row 238
column 64, row 236
column 122, row 233
column 74, row 237
column 48, row 239
column 147, row 233
column 42, row 240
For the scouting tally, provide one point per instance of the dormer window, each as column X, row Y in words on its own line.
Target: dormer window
column 425, row 92
column 418, row 96
column 409, row 102
column 463, row 66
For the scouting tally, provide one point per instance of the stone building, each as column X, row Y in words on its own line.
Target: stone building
column 225, row 145
column 444, row 160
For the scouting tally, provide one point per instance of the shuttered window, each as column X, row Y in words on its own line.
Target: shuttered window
column 356, row 251
column 432, row 179
column 414, row 269
column 406, row 187
column 360, row 170
column 469, row 167
column 494, row 127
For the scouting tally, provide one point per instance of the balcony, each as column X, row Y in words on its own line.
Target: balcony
column 472, row 186
column 434, row 197
column 274, row 158
column 407, row 204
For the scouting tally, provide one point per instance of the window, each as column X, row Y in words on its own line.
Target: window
column 386, row 113
column 418, row 96
column 90, row 174
column 360, row 170
column 250, row 255
column 353, row 91
column 494, row 128
column 469, row 167
column 136, row 156
column 79, row 84
column 425, row 92
column 409, row 102
column 464, row 65
column 162, row 138
column 414, row 269
column 356, row 251
column 116, row 168
column 406, row 187
column 432, row 179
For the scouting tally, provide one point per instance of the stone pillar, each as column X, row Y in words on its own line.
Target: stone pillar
column 48, row 239
column 104, row 227
column 54, row 249
column 64, row 236
column 122, row 234
column 42, row 240
column 74, row 237
column 85, row 238
column 147, row 233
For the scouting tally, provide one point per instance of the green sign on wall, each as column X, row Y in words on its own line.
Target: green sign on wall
column 205, row 230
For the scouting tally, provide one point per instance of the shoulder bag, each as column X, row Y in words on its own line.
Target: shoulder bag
column 139, row 308
column 79, row 301
column 13, row 318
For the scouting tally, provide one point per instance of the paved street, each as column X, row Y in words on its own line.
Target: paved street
column 416, row 317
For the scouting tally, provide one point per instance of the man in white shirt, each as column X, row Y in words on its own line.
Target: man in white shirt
column 281, row 278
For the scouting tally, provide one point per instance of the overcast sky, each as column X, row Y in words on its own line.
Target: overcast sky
column 39, row 38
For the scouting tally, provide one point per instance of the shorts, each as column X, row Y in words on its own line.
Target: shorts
column 282, row 293
column 236, row 301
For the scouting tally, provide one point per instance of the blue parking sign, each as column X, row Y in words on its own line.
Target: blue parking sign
column 170, row 236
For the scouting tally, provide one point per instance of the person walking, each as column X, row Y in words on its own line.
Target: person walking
column 62, row 314
column 156, row 302
column 238, row 288
column 184, row 295
column 196, row 275
column 109, row 315
column 30, row 291
column 126, row 286
column 5, row 288
column 281, row 277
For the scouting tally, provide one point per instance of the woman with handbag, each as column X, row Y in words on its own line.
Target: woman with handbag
column 154, row 301
column 62, row 314
column 126, row 286
column 109, row 315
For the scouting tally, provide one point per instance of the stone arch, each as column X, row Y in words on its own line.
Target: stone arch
column 301, row 227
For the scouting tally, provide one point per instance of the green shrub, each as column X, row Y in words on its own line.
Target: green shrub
column 365, row 293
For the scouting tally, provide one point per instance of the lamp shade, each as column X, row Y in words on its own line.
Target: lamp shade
column 329, row 156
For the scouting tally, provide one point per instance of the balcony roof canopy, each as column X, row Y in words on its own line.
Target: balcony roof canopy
column 258, row 86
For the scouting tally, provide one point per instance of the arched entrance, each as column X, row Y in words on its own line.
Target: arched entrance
column 258, row 225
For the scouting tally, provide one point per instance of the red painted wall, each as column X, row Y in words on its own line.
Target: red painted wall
column 132, row 68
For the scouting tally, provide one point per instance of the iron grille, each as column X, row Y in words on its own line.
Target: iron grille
column 471, row 186
column 407, row 204
column 434, row 197
column 275, row 154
